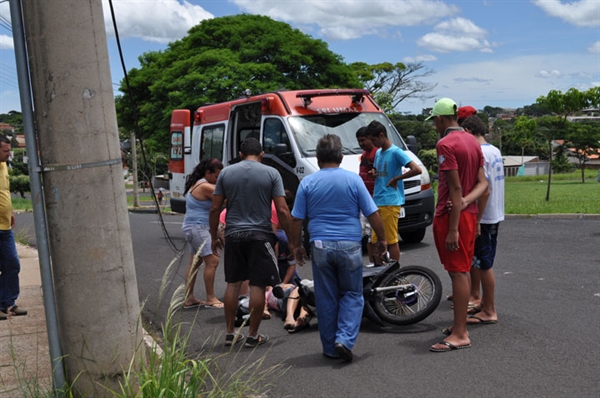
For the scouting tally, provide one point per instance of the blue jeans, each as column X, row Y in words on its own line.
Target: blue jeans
column 338, row 277
column 9, row 270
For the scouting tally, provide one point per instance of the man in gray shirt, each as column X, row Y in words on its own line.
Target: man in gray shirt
column 247, row 188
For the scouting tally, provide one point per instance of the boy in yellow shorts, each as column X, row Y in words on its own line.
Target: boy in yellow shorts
column 388, row 193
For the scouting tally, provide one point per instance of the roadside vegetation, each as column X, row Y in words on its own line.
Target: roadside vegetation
column 168, row 369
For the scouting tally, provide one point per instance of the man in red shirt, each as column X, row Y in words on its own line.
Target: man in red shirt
column 461, row 182
column 367, row 160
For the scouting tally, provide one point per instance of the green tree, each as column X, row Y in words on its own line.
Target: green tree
column 562, row 105
column 525, row 129
column 551, row 127
column 15, row 119
column 584, row 139
column 426, row 136
column 429, row 159
column 492, row 111
column 219, row 60
column 393, row 83
column 499, row 130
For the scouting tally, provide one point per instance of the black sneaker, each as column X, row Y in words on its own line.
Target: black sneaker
column 252, row 342
column 3, row 315
column 232, row 339
column 344, row 352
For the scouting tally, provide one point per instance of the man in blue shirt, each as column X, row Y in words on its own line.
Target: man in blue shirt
column 332, row 199
column 389, row 188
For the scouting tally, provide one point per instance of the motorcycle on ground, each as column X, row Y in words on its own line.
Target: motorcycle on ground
column 393, row 294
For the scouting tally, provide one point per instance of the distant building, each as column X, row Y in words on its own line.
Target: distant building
column 7, row 129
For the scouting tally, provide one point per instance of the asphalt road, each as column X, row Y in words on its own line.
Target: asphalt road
column 546, row 343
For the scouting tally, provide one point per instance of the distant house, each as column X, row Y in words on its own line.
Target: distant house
column 593, row 161
column 21, row 140
column 7, row 129
column 529, row 165
column 591, row 114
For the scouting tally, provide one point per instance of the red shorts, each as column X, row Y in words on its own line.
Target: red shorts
column 457, row 260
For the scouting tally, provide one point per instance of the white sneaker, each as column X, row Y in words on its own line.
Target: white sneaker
column 370, row 265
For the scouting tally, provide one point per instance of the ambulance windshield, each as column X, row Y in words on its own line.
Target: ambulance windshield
column 309, row 129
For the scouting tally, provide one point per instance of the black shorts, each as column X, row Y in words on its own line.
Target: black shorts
column 250, row 255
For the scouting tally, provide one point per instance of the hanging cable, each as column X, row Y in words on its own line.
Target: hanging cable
column 139, row 135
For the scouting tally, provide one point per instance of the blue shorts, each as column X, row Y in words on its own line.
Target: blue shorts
column 198, row 236
column 485, row 247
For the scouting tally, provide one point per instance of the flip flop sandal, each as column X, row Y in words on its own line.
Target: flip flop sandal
column 255, row 342
column 450, row 347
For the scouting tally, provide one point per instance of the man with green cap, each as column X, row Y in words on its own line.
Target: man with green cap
column 461, row 183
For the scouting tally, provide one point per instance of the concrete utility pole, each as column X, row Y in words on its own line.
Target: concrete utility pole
column 90, row 239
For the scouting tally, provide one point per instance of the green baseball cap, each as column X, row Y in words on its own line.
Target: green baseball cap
column 444, row 107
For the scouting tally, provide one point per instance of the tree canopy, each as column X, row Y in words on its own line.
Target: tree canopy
column 584, row 138
column 218, row 60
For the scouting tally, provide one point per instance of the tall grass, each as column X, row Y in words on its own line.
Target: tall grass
column 170, row 369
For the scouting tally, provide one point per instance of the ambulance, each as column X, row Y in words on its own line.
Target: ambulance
column 289, row 124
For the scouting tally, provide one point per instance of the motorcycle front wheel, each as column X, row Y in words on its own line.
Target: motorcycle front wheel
column 406, row 308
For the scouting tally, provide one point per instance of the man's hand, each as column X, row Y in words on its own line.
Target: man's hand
column 381, row 248
column 300, row 255
column 216, row 246
column 463, row 205
column 452, row 241
column 393, row 182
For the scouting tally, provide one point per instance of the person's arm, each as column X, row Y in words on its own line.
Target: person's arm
column 414, row 170
column 295, row 236
column 455, row 194
column 377, row 225
column 285, row 219
column 481, row 204
column 213, row 222
column 480, row 189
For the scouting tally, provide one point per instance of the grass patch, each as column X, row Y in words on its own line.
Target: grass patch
column 527, row 195
column 22, row 204
column 22, row 235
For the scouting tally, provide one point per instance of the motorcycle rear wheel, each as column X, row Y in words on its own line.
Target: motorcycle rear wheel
column 406, row 309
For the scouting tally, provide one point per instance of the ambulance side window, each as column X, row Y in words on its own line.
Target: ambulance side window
column 274, row 133
column 212, row 142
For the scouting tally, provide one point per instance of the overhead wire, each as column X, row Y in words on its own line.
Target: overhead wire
column 134, row 115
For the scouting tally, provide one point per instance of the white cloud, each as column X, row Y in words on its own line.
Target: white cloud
column 512, row 82
column 420, row 58
column 457, row 34
column 155, row 21
column 347, row 19
column 544, row 74
column 594, row 48
column 578, row 13
column 6, row 43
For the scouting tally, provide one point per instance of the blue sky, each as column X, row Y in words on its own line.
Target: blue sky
column 503, row 53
